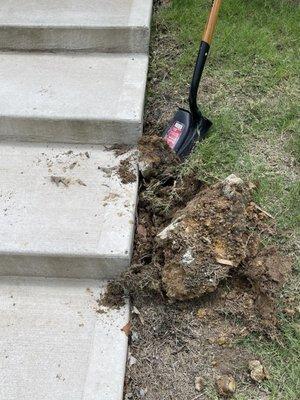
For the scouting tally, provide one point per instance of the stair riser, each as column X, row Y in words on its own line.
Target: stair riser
column 62, row 267
column 109, row 40
column 69, row 131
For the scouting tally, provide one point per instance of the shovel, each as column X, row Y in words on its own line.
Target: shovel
column 187, row 127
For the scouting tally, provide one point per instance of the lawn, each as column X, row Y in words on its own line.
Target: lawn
column 250, row 92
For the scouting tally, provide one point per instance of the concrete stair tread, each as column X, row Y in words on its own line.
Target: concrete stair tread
column 57, row 343
column 104, row 25
column 81, row 98
column 79, row 226
column 94, row 13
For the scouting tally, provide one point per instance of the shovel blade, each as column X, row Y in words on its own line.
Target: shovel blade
column 178, row 129
column 183, row 133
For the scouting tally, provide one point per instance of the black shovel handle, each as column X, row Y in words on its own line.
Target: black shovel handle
column 201, row 59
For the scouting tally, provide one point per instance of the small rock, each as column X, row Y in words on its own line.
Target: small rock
column 257, row 371
column 226, row 385
column 199, row 383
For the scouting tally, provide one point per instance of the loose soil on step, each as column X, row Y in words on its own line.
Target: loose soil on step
column 200, row 280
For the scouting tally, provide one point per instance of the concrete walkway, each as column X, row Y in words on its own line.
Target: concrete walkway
column 72, row 83
column 57, row 343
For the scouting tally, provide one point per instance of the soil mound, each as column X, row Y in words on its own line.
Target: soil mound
column 201, row 278
column 192, row 240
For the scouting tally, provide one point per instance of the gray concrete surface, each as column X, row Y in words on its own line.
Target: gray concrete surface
column 54, row 343
column 72, row 98
column 96, row 25
column 66, row 218
column 79, row 226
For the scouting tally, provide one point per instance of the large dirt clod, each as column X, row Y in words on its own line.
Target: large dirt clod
column 206, row 240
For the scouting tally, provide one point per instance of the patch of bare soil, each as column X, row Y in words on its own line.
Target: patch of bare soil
column 200, row 279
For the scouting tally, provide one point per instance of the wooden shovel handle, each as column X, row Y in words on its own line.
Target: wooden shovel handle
column 212, row 21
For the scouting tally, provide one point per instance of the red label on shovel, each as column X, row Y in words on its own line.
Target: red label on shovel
column 174, row 134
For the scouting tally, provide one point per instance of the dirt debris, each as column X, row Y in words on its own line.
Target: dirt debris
column 108, row 171
column 119, row 149
column 66, row 182
column 199, row 383
column 226, row 385
column 257, row 371
column 60, row 179
column 126, row 171
column 113, row 298
column 164, row 189
column 201, row 278
column 156, row 157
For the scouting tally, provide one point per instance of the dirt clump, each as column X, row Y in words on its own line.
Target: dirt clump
column 164, row 190
column 207, row 240
column 226, row 385
column 156, row 158
column 268, row 270
column 126, row 171
column 257, row 371
column 113, row 298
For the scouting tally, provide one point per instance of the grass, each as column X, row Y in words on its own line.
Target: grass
column 250, row 91
column 282, row 360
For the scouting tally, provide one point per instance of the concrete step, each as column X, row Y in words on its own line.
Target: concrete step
column 56, row 343
column 65, row 211
column 94, row 25
column 72, row 98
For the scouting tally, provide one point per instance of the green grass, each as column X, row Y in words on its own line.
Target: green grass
column 250, row 92
column 282, row 361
